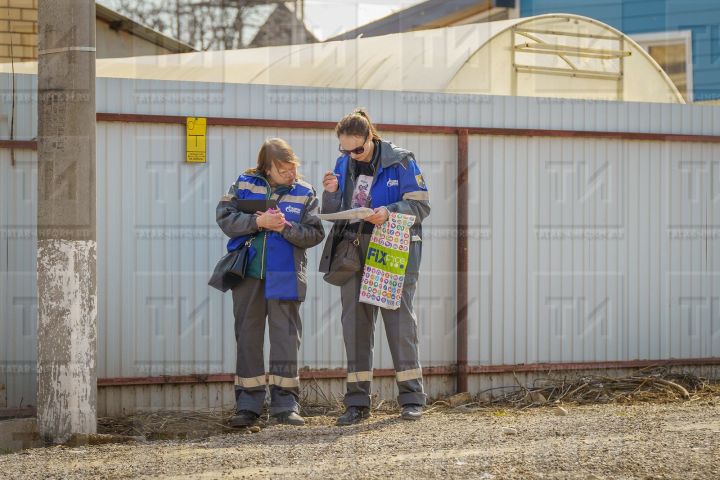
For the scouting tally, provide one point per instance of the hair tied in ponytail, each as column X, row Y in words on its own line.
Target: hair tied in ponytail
column 357, row 123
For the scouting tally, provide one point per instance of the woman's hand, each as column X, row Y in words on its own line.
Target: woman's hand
column 271, row 220
column 330, row 182
column 380, row 216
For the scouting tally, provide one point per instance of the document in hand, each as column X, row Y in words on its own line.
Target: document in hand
column 386, row 262
column 352, row 214
column 250, row 206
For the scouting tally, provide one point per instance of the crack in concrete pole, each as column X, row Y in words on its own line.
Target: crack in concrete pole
column 67, row 250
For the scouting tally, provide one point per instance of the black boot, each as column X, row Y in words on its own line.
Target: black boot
column 244, row 418
column 411, row 412
column 289, row 418
column 353, row 415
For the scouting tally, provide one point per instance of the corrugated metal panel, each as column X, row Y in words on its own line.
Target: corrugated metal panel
column 117, row 401
column 593, row 250
column 537, row 292
column 5, row 322
column 18, row 286
column 158, row 241
column 494, row 385
column 23, row 89
column 297, row 103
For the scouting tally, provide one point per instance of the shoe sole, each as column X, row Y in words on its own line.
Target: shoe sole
column 411, row 418
column 294, row 424
column 244, row 425
column 359, row 420
column 349, row 424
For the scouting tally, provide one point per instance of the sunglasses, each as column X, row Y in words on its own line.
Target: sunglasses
column 357, row 151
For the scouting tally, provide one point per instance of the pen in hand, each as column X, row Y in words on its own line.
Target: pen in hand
column 287, row 224
column 276, row 210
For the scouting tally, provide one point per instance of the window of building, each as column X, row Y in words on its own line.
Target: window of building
column 673, row 52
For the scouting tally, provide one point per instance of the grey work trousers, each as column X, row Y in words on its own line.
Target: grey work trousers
column 251, row 309
column 358, row 322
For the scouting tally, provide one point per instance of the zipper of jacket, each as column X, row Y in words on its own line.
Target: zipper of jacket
column 262, row 257
column 267, row 197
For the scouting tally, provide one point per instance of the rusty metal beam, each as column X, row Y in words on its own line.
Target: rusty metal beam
column 305, row 374
column 431, row 129
column 609, row 365
column 20, row 412
column 341, row 373
column 461, row 275
column 19, row 144
column 434, row 129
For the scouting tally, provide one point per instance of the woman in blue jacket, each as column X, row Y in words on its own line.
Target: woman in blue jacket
column 275, row 281
column 374, row 173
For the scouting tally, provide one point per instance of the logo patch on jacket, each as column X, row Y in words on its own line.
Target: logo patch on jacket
column 393, row 183
column 291, row 209
column 420, row 180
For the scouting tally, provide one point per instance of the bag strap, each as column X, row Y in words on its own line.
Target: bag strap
column 356, row 240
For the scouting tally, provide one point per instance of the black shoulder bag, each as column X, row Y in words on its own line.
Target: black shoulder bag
column 231, row 268
column 346, row 259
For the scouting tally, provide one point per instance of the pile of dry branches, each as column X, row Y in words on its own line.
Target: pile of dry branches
column 168, row 425
column 657, row 384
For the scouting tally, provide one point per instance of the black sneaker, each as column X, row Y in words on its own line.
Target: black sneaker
column 289, row 418
column 353, row 415
column 244, row 418
column 411, row 412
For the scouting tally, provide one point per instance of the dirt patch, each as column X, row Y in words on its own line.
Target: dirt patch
column 673, row 439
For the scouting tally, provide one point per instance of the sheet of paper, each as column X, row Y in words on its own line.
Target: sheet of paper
column 354, row 213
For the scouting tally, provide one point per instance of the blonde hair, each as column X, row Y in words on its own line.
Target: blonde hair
column 274, row 150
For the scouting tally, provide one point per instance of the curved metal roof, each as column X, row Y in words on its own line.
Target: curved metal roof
column 556, row 55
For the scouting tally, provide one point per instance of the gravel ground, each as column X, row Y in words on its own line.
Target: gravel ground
column 646, row 440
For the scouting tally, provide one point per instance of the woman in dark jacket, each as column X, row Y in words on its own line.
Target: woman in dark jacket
column 275, row 281
column 374, row 173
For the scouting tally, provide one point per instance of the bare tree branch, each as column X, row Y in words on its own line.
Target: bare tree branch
column 204, row 24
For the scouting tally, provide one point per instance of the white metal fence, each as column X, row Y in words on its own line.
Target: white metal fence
column 581, row 249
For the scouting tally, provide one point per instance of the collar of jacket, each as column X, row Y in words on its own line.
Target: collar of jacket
column 279, row 189
column 392, row 155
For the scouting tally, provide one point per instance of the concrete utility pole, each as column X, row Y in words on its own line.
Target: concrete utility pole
column 67, row 286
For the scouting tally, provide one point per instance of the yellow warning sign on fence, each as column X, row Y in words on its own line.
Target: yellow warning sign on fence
column 195, row 149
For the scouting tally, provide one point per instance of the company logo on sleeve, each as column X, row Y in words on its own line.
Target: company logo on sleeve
column 392, row 183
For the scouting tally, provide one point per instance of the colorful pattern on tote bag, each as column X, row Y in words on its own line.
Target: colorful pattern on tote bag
column 386, row 262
